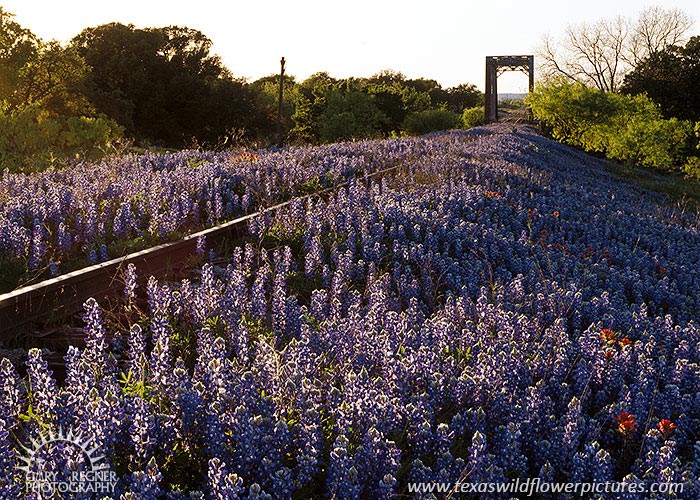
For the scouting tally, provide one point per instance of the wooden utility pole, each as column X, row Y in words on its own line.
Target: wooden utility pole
column 279, row 106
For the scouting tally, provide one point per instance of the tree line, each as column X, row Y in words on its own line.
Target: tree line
column 163, row 87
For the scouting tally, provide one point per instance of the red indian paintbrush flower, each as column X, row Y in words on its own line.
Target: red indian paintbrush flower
column 607, row 335
column 666, row 427
column 626, row 424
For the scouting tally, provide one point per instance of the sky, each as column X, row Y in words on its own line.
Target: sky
column 445, row 40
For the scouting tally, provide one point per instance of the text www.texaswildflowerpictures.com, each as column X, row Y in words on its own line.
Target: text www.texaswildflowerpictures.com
column 535, row 486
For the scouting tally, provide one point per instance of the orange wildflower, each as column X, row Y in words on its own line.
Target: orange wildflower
column 626, row 423
column 607, row 335
column 666, row 427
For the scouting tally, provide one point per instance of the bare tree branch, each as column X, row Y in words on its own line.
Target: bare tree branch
column 603, row 52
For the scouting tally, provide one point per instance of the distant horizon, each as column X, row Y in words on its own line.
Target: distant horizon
column 446, row 41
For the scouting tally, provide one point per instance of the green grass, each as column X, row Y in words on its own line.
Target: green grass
column 673, row 184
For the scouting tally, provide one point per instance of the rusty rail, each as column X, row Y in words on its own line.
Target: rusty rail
column 54, row 300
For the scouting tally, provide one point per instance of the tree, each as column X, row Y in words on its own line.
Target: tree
column 54, row 80
column 44, row 113
column 626, row 128
column 349, row 116
column 463, row 96
column 163, row 84
column 40, row 74
column 431, row 120
column 18, row 46
column 389, row 99
column 591, row 53
column 438, row 95
column 124, row 73
column 655, row 30
column 189, row 50
column 388, row 77
column 266, row 92
column 670, row 78
column 311, row 101
column 601, row 53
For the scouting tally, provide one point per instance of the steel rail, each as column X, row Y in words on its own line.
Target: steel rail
column 52, row 301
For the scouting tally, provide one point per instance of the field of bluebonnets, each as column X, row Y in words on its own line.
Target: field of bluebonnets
column 503, row 308
column 61, row 220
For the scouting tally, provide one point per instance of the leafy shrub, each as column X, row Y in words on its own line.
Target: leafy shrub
column 349, row 116
column 625, row 128
column 692, row 166
column 473, row 117
column 430, row 120
column 654, row 142
column 31, row 139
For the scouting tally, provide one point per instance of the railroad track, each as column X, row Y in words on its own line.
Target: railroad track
column 49, row 304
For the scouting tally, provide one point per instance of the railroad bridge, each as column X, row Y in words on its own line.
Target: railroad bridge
column 497, row 65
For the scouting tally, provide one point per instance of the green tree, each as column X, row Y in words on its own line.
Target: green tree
column 438, row 96
column 349, row 116
column 127, row 77
column 473, row 117
column 163, row 84
column 45, row 115
column 266, row 91
column 18, row 46
column 431, row 120
column 54, row 80
column 304, row 129
column 311, row 102
column 670, row 78
column 463, row 96
column 626, row 128
column 388, row 77
column 396, row 97
column 389, row 99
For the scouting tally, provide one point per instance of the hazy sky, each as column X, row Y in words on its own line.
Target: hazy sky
column 441, row 39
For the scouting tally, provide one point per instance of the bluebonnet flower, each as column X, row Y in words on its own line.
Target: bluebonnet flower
column 78, row 383
column 104, row 256
column 9, row 477
column 98, row 361
column 53, row 269
column 43, row 391
column 130, row 284
column 92, row 257
column 343, row 481
column 11, row 400
column 141, row 431
column 39, row 247
column 201, row 245
column 255, row 492
column 144, row 484
column 161, row 362
column 222, row 484
column 64, row 240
